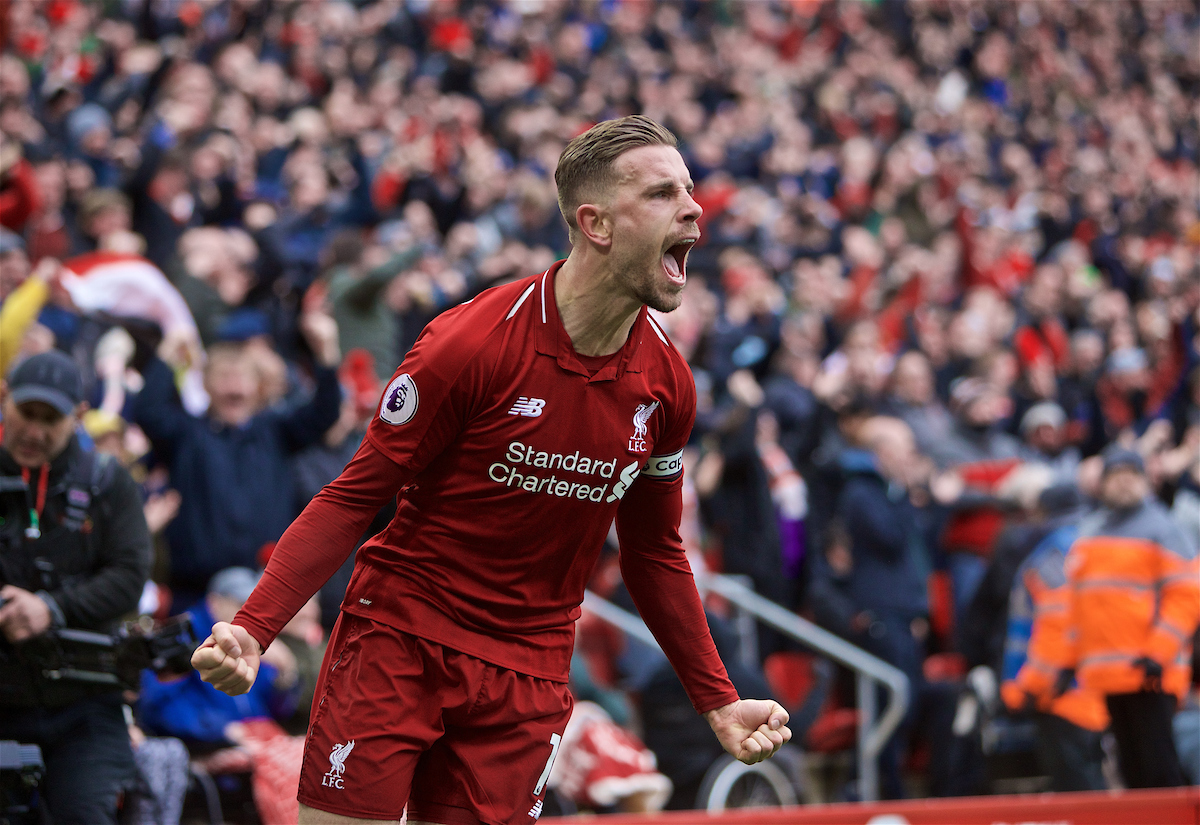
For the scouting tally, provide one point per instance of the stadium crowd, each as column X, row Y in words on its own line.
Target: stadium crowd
column 946, row 305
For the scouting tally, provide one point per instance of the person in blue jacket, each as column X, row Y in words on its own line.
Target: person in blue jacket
column 195, row 711
column 877, row 598
column 231, row 466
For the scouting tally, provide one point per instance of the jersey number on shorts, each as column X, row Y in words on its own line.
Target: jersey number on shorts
column 555, row 741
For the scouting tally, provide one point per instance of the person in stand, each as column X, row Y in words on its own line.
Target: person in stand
column 74, row 553
column 232, row 464
column 1070, row 721
column 517, row 428
column 1133, row 585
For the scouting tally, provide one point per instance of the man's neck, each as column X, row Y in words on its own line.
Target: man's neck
column 596, row 313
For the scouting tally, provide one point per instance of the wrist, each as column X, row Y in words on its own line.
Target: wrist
column 709, row 714
column 57, row 618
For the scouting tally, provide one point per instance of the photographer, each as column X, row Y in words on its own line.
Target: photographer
column 74, row 553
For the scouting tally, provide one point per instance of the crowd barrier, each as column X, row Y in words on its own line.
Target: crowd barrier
column 1175, row 806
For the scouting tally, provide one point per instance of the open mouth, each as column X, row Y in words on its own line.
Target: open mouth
column 674, row 261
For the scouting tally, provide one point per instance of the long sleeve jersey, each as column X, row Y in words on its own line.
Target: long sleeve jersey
column 512, row 460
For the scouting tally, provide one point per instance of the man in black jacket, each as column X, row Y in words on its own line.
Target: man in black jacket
column 875, row 595
column 74, row 553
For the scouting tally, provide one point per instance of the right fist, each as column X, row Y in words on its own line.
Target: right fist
column 228, row 659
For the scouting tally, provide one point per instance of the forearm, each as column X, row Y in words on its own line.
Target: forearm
column 657, row 574
column 308, row 422
column 1178, row 614
column 367, row 289
column 18, row 312
column 318, row 542
column 669, row 604
column 157, row 408
column 102, row 598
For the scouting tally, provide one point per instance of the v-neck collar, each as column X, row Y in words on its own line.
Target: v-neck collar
column 552, row 338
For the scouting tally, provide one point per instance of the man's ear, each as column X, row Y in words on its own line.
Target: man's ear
column 3, row 389
column 594, row 224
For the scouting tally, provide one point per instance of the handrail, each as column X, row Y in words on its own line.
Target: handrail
column 620, row 618
column 872, row 735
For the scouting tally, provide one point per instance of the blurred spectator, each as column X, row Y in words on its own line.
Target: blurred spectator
column 979, row 410
column 102, row 214
column 787, row 393
column 20, row 197
column 1044, row 431
column 230, row 466
column 209, row 721
column 1069, row 718
column 356, row 293
column 913, row 400
column 1134, row 603
column 22, row 295
column 1028, row 520
column 952, row 213
column 875, row 586
column 981, row 454
column 754, row 530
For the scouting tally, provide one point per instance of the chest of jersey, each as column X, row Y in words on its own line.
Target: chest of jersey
column 558, row 436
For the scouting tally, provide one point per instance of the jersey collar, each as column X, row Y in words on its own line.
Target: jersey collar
column 552, row 339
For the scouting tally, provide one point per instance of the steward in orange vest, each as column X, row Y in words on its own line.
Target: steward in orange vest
column 1069, row 721
column 1133, row 579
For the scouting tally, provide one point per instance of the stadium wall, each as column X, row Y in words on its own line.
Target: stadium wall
column 1176, row 806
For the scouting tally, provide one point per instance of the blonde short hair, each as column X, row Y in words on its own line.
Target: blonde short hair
column 585, row 168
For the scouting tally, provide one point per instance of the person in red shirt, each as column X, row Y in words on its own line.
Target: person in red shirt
column 518, row 427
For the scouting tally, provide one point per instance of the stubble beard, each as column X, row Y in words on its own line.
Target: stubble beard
column 652, row 288
column 661, row 300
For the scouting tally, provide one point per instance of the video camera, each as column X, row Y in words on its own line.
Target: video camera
column 21, row 771
column 117, row 660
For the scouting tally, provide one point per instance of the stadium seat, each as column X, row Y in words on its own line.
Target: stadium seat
column 801, row 681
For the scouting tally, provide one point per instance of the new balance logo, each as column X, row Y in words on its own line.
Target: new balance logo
column 536, row 810
column 528, row 407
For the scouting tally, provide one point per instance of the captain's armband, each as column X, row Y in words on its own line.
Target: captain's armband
column 664, row 466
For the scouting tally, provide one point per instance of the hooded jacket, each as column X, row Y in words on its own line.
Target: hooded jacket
column 1134, row 591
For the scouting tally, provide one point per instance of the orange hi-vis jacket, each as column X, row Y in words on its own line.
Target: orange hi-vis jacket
column 1134, row 583
column 1037, row 646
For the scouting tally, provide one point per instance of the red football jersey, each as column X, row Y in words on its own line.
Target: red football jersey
column 513, row 463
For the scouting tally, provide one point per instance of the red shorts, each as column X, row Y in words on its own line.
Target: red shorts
column 400, row 720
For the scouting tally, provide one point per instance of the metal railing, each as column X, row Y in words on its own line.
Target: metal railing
column 869, row 670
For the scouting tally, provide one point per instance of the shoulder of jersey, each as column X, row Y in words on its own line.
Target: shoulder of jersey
column 479, row 317
column 656, row 332
column 494, row 305
column 657, row 341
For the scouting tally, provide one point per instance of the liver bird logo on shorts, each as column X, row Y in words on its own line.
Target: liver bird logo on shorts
column 641, row 415
column 337, row 764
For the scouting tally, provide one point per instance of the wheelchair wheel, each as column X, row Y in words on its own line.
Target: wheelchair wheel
column 731, row 784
